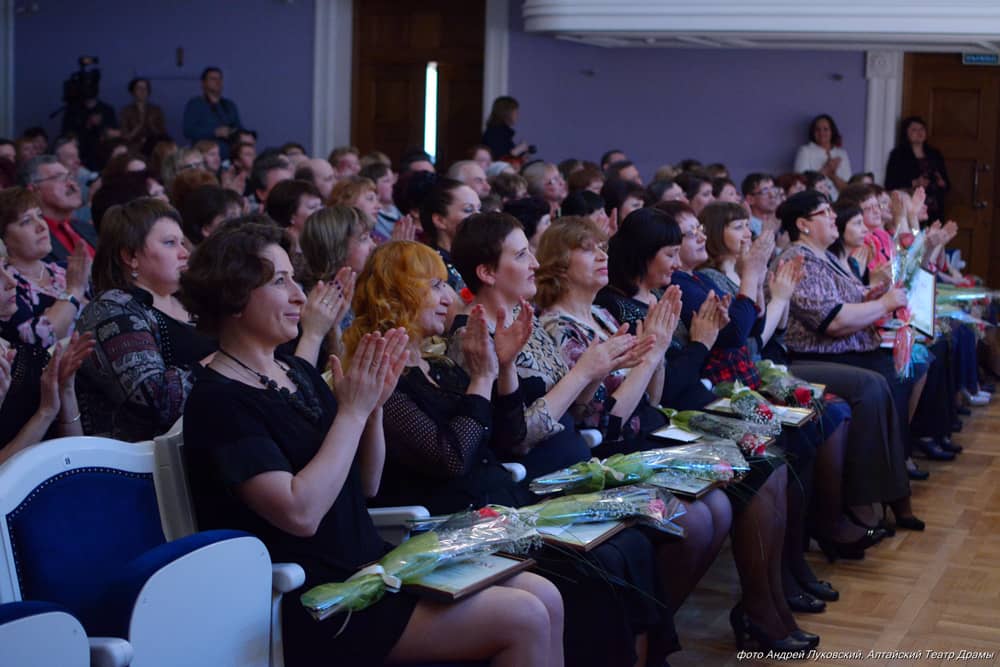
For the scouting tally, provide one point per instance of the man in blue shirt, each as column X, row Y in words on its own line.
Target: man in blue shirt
column 210, row 115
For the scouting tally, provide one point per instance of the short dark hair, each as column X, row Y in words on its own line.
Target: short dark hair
column 284, row 200
column 616, row 191
column 292, row 145
column 208, row 70
column 690, row 164
column 15, row 202
column 856, row 193
column 375, row 171
column 606, row 157
column 118, row 188
column 719, row 184
column 479, row 240
column 752, row 181
column 904, row 127
column 411, row 156
column 124, row 228
column 655, row 190
column 200, row 208
column 507, row 184
column 675, row 209
column 691, row 182
column 136, row 80
column 265, row 164
column 835, row 138
column 640, row 236
column 225, row 269
column 615, row 169
column 411, row 188
column 715, row 217
column 799, row 205
column 529, row 212
column 582, row 203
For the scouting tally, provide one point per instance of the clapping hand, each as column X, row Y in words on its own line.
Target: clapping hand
column 622, row 350
column 711, row 318
column 785, row 278
column 478, row 350
column 78, row 267
column 328, row 303
column 405, row 229
column 375, row 364
column 508, row 340
column 661, row 321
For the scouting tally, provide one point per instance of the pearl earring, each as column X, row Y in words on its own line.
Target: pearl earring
column 135, row 274
column 806, row 232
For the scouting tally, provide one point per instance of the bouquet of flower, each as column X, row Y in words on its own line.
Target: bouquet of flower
column 749, row 405
column 650, row 505
column 697, row 460
column 948, row 295
column 751, row 438
column 459, row 537
column 784, row 387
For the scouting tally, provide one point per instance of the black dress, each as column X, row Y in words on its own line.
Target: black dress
column 263, row 431
column 904, row 167
column 439, row 454
column 22, row 398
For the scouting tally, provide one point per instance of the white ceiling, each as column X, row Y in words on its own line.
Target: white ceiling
column 969, row 26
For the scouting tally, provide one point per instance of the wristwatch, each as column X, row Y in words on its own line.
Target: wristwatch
column 66, row 296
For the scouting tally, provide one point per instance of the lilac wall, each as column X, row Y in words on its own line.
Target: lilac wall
column 264, row 47
column 747, row 108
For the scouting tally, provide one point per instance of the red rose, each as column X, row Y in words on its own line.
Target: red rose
column 488, row 513
column 803, row 396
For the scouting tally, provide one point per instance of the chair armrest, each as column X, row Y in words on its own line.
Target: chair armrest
column 591, row 436
column 517, row 471
column 109, row 652
column 286, row 577
column 396, row 516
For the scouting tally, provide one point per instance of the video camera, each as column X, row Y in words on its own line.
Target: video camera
column 83, row 84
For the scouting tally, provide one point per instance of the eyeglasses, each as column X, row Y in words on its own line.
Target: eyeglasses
column 192, row 165
column 695, row 233
column 766, row 192
column 67, row 177
column 825, row 211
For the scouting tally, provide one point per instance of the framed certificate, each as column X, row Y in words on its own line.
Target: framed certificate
column 922, row 302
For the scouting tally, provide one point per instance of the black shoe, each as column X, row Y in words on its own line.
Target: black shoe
column 964, row 411
column 916, row 474
column 804, row 636
column 932, row 450
column 851, row 550
column 745, row 630
column 823, row 590
column 905, row 522
column 882, row 524
column 947, row 445
column 805, row 603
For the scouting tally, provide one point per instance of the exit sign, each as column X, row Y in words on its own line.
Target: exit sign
column 980, row 59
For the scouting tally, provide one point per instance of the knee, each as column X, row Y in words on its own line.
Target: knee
column 527, row 616
column 544, row 592
column 698, row 523
column 721, row 510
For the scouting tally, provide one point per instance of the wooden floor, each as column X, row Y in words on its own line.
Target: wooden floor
column 933, row 591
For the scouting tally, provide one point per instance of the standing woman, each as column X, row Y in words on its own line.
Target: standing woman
column 49, row 297
column 914, row 164
column 142, row 122
column 135, row 384
column 499, row 134
column 824, row 152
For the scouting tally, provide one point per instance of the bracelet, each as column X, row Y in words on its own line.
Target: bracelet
column 73, row 420
column 66, row 296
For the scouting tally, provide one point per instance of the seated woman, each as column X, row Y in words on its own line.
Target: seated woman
column 830, row 321
column 494, row 255
column 443, row 436
column 573, row 268
column 48, row 297
column 697, row 189
column 134, row 385
column 816, row 450
column 448, row 203
column 37, row 394
column 533, row 214
column 336, row 242
column 293, row 465
column 359, row 192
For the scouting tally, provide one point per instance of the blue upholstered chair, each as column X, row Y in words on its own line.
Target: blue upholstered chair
column 81, row 528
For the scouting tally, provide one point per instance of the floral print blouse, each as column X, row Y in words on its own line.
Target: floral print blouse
column 572, row 337
column 29, row 325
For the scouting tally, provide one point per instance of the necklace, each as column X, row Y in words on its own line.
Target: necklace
column 304, row 400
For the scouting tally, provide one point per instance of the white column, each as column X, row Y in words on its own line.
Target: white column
column 332, row 71
column 7, row 69
column 884, row 71
column 496, row 52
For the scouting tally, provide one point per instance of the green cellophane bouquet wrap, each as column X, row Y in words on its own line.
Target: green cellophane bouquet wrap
column 649, row 505
column 699, row 460
column 458, row 537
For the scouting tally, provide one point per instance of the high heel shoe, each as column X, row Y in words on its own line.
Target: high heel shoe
column 804, row 636
column 890, row 531
column 805, row 603
column 745, row 630
column 823, row 590
column 850, row 550
column 906, row 522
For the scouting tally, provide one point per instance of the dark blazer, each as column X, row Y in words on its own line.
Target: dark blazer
column 61, row 253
